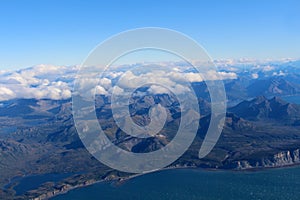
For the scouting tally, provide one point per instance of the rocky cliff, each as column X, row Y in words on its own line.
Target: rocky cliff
column 284, row 158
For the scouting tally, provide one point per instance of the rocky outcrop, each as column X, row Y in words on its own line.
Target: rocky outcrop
column 284, row 158
column 60, row 189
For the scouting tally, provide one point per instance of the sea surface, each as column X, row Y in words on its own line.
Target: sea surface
column 197, row 184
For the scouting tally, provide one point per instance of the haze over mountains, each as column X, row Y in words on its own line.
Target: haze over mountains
column 38, row 136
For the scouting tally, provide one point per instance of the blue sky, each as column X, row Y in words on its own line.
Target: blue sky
column 62, row 32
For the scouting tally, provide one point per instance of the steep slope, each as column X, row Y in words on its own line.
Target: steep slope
column 261, row 108
column 274, row 86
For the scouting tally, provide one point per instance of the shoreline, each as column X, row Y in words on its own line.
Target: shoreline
column 122, row 180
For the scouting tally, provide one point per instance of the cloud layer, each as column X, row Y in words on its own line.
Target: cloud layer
column 56, row 82
column 40, row 82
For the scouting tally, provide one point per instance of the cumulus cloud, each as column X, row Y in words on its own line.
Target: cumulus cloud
column 6, row 93
column 268, row 68
column 56, row 82
column 254, row 75
column 40, row 82
column 130, row 80
column 117, row 90
column 193, row 77
column 226, row 75
column 280, row 73
column 100, row 90
column 156, row 89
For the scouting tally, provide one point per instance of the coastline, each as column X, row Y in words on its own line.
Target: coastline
column 117, row 181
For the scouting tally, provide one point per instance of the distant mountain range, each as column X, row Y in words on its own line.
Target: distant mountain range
column 244, row 88
column 273, row 87
column 262, row 108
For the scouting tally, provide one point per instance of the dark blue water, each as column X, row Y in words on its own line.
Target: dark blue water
column 33, row 182
column 192, row 184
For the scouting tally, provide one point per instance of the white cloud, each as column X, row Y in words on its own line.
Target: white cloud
column 268, row 68
column 6, row 93
column 130, row 80
column 180, row 89
column 56, row 82
column 193, row 77
column 100, row 90
column 38, row 82
column 280, row 73
column 226, row 75
column 156, row 89
column 117, row 90
column 254, row 75
column 105, row 83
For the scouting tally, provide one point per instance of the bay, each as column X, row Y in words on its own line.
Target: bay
column 26, row 183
